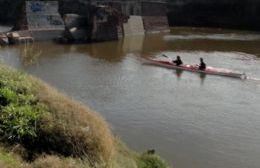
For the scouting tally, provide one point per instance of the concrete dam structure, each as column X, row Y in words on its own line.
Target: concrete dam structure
column 41, row 19
column 239, row 14
column 152, row 13
column 88, row 21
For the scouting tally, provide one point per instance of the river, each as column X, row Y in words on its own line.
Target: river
column 192, row 121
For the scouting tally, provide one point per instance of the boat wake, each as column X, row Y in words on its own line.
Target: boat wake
column 253, row 79
column 234, row 37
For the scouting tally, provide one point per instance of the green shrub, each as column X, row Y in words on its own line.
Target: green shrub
column 44, row 121
column 7, row 96
column 18, row 121
column 151, row 161
column 19, row 108
column 9, row 160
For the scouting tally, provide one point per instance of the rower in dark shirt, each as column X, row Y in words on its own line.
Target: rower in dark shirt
column 202, row 65
column 178, row 61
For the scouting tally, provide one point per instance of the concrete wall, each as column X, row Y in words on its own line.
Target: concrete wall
column 154, row 24
column 217, row 13
column 131, row 17
column 45, row 35
column 155, row 17
column 144, row 16
column 134, row 26
column 42, row 19
column 105, row 31
column 43, row 15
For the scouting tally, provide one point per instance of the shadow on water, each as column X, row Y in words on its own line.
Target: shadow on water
column 202, row 77
column 179, row 73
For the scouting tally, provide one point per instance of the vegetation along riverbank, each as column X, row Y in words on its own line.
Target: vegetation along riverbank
column 40, row 127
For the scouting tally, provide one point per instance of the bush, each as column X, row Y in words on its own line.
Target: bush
column 19, row 109
column 58, row 162
column 9, row 160
column 151, row 161
column 45, row 121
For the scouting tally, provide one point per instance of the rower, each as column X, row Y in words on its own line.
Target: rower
column 178, row 61
column 202, row 65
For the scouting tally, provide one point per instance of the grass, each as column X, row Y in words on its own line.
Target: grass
column 53, row 130
column 20, row 109
column 148, row 160
column 59, row 162
column 9, row 160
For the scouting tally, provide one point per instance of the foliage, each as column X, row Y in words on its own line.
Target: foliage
column 58, row 162
column 45, row 121
column 19, row 108
column 8, row 160
column 151, row 161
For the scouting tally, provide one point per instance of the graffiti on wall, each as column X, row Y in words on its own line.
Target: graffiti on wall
column 36, row 6
column 43, row 15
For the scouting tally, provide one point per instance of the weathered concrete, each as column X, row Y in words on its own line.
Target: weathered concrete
column 4, row 39
column 154, row 24
column 126, row 17
column 217, row 13
column 43, row 15
column 134, row 26
column 42, row 19
column 153, row 12
column 105, row 20
column 76, row 28
column 17, row 37
column 5, row 28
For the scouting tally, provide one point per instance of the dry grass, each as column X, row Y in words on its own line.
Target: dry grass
column 58, row 162
column 65, row 127
column 10, row 160
column 71, row 128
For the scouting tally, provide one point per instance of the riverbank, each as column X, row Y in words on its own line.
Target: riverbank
column 40, row 127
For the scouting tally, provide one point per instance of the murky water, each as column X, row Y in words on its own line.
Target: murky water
column 193, row 121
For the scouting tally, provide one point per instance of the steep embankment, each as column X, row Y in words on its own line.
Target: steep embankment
column 40, row 127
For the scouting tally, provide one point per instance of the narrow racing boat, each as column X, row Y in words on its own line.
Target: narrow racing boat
column 195, row 68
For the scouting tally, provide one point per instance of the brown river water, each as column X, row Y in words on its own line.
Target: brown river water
column 192, row 121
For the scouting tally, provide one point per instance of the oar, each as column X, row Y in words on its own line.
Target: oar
column 165, row 56
column 170, row 59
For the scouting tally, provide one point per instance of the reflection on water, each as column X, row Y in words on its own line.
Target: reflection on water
column 29, row 53
column 133, row 44
column 191, row 119
column 233, row 37
column 202, row 77
column 178, row 73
